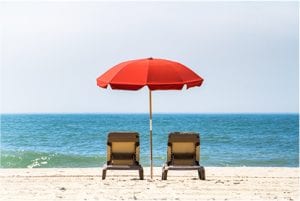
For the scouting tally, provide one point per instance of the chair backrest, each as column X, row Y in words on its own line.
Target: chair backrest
column 123, row 148
column 183, row 148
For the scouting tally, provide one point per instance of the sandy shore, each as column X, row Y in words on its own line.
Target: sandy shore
column 240, row 183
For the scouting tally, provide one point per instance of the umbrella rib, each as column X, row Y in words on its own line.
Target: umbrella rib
column 126, row 83
column 120, row 68
column 178, row 73
column 189, row 81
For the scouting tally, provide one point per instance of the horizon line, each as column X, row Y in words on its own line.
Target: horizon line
column 141, row 113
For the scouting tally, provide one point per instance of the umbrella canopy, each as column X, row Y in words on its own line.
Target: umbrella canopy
column 156, row 74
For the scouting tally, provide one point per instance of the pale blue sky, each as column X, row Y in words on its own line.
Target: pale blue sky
column 52, row 53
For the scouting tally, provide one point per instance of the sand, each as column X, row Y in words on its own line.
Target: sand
column 222, row 183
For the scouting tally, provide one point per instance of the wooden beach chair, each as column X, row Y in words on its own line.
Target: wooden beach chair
column 123, row 153
column 183, row 154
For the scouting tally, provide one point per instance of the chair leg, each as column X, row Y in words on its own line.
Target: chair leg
column 201, row 173
column 164, row 175
column 141, row 173
column 103, row 173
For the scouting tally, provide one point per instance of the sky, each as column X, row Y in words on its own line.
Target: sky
column 52, row 53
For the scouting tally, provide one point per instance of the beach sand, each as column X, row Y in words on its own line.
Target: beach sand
column 222, row 183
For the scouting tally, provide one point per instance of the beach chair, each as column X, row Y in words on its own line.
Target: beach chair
column 123, row 153
column 183, row 154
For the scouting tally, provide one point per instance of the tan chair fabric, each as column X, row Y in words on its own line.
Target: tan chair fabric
column 183, row 149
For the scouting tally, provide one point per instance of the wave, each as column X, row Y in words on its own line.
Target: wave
column 32, row 159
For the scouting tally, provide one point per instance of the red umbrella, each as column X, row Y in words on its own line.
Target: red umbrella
column 157, row 74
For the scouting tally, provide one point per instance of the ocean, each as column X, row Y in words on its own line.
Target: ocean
column 79, row 140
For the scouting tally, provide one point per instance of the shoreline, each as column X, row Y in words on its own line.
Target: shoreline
column 222, row 183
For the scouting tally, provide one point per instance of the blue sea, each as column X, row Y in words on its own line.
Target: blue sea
column 79, row 140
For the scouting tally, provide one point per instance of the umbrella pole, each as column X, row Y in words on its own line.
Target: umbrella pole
column 150, row 123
